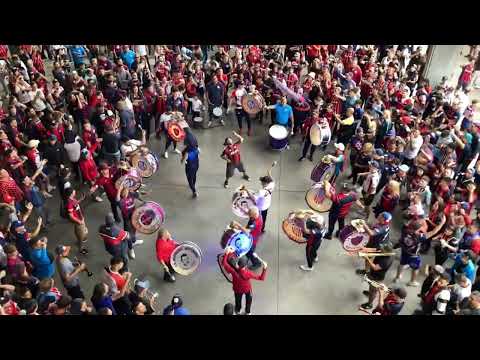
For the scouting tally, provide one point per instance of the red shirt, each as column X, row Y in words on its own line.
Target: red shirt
column 344, row 208
column 255, row 227
column 10, row 187
column 232, row 152
column 88, row 169
column 165, row 249
column 241, row 277
column 114, row 241
column 108, row 185
column 73, row 208
column 357, row 74
column 313, row 50
column 90, row 140
column 475, row 246
column 3, row 52
column 118, row 279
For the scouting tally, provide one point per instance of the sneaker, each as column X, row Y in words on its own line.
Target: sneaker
column 195, row 195
column 177, row 151
column 222, row 122
column 413, row 284
column 209, row 124
column 288, row 147
column 238, row 313
column 360, row 272
column 301, row 158
column 138, row 242
column 225, row 185
column 328, row 236
column 131, row 254
column 98, row 199
column 246, row 177
column 366, row 306
column 165, row 155
column 316, row 259
column 250, row 313
column 84, row 251
column 366, row 292
column 306, row 268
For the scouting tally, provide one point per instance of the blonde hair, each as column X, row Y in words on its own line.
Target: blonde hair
column 394, row 187
column 367, row 148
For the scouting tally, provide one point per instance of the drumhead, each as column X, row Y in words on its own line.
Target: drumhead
column 185, row 259
column 278, row 132
column 217, row 111
column 241, row 203
column 148, row 217
column 241, row 242
column 317, row 200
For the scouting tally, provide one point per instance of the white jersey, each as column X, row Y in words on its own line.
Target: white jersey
column 263, row 198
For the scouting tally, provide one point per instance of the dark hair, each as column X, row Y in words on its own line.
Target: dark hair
column 400, row 292
column 104, row 311
column 116, row 260
column 98, row 293
column 228, row 309
column 242, row 262
column 266, row 179
column 68, row 192
column 30, row 306
column 64, row 302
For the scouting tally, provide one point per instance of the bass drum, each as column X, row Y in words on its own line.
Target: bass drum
column 252, row 104
column 352, row 240
column 317, row 200
column 241, row 203
column 186, row 258
column 324, row 170
column 294, row 224
column 148, row 218
column 146, row 165
column 231, row 260
column 131, row 180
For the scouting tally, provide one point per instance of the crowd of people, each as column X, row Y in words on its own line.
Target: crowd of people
column 394, row 134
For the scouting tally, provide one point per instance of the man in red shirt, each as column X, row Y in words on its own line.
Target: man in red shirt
column 231, row 153
column 254, row 228
column 75, row 215
column 106, row 180
column 164, row 248
column 341, row 204
column 8, row 186
column 241, row 277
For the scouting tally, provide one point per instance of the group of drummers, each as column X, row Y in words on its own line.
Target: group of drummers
column 410, row 151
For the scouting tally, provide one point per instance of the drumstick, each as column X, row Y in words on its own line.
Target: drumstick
column 271, row 168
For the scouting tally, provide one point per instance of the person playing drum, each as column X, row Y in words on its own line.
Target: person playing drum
column 169, row 140
column 215, row 94
column 338, row 159
column 306, row 126
column 231, row 154
column 236, row 101
column 341, row 203
column 284, row 115
column 164, row 248
column 313, row 231
column 254, row 228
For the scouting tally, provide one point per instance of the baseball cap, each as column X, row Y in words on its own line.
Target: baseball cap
column 439, row 269
column 143, row 284
column 17, row 224
column 404, row 168
column 340, row 146
column 52, row 138
column 33, row 143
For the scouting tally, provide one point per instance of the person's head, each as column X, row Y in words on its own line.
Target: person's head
column 38, row 243
column 253, row 212
column 139, row 308
column 99, row 291
column 62, row 305
column 177, row 301
column 283, row 100
column 70, row 193
column 228, row 141
column 400, row 294
column 10, row 250
column 31, row 306
column 116, row 263
column 394, row 187
column 265, row 180
column 104, row 311
column 45, row 285
column 62, row 250
column 443, row 280
column 228, row 309
column 104, row 169
column 462, row 281
column 465, row 258
column 474, row 300
column 384, row 218
column 163, row 233
column 242, row 262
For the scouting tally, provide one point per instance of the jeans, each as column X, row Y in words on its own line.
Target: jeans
column 311, row 252
column 146, row 124
column 114, row 207
column 238, row 302
column 241, row 114
column 332, row 220
column 128, row 227
column 191, row 172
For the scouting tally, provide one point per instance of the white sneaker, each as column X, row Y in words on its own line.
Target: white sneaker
column 288, row 147
column 316, row 259
column 138, row 242
column 177, row 151
column 413, row 284
column 98, row 199
column 209, row 124
column 131, row 254
column 250, row 313
column 222, row 122
column 165, row 155
column 306, row 268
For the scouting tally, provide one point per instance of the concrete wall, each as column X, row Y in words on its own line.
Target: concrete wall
column 446, row 60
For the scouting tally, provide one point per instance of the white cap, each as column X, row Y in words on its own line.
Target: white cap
column 312, row 75
column 404, row 168
column 340, row 146
column 439, row 269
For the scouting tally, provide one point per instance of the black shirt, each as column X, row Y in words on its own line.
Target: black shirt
column 54, row 154
column 111, row 143
column 215, row 93
column 384, row 262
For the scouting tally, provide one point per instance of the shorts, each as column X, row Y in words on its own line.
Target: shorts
column 81, row 232
column 231, row 169
column 413, row 261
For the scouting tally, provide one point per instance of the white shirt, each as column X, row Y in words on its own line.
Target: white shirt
column 165, row 117
column 263, row 197
column 413, row 148
column 371, row 183
column 130, row 146
column 461, row 292
column 196, row 105
column 441, row 306
column 141, row 50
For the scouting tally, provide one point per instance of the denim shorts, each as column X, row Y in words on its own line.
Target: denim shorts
column 414, row 261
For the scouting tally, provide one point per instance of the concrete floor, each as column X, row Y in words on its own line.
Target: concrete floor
column 332, row 288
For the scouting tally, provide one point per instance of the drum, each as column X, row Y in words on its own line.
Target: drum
column 197, row 122
column 241, row 203
column 324, row 170
column 315, row 134
column 293, row 225
column 175, row 131
column 231, row 261
column 278, row 137
column 148, row 217
column 252, row 104
column 238, row 240
column 131, row 180
column 325, row 135
column 146, row 165
column 217, row 111
column 316, row 198
column 186, row 258
column 353, row 237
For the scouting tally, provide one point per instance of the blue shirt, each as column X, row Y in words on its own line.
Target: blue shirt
column 192, row 157
column 468, row 270
column 128, row 57
column 283, row 112
column 43, row 267
column 78, row 53
column 178, row 311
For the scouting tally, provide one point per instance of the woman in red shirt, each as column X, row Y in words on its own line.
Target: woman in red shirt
column 164, row 248
column 241, row 277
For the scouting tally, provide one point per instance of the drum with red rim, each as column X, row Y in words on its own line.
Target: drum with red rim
column 324, row 170
column 316, row 198
column 175, row 131
column 353, row 240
